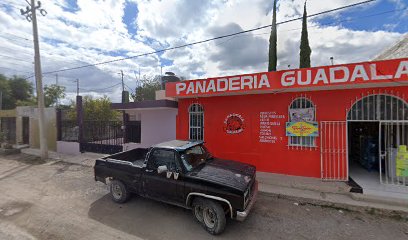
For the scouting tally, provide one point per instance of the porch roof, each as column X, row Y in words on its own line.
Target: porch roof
column 150, row 104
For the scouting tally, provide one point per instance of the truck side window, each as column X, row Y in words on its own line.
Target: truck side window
column 162, row 157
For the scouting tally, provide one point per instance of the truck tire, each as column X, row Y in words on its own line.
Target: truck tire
column 214, row 220
column 119, row 192
column 197, row 207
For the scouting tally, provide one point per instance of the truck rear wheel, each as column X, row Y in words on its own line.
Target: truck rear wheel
column 214, row 220
column 119, row 192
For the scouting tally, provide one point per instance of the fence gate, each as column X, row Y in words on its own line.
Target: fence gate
column 393, row 134
column 333, row 150
column 102, row 137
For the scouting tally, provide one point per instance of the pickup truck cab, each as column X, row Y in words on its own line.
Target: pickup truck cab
column 185, row 174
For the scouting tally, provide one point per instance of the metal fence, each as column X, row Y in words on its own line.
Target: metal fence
column 102, row 136
column 333, row 147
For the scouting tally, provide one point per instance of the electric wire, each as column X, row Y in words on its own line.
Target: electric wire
column 208, row 40
column 100, row 89
column 325, row 24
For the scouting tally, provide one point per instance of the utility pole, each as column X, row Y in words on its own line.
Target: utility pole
column 56, row 83
column 161, row 77
column 1, row 100
column 30, row 14
column 77, row 82
column 123, row 83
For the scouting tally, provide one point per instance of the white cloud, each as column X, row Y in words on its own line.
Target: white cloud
column 95, row 32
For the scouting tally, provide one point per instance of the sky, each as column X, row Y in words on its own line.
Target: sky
column 75, row 33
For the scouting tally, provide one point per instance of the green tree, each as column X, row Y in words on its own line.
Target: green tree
column 305, row 50
column 52, row 93
column 273, row 56
column 15, row 90
column 148, row 89
column 96, row 109
column 6, row 92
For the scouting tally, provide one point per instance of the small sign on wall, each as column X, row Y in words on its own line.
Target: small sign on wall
column 302, row 129
column 234, row 123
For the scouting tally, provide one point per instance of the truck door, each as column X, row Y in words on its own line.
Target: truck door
column 164, row 186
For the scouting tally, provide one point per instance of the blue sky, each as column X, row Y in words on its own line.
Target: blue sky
column 81, row 32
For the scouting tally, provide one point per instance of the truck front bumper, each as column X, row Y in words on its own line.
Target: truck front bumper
column 240, row 216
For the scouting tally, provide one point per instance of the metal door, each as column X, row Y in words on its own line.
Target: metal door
column 333, row 151
column 393, row 134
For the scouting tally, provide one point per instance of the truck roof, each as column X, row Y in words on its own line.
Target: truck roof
column 178, row 145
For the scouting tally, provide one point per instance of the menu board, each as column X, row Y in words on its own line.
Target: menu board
column 267, row 120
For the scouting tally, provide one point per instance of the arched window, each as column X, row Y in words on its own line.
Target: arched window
column 196, row 122
column 379, row 107
column 302, row 109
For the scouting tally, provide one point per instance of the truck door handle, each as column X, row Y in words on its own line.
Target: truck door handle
column 148, row 170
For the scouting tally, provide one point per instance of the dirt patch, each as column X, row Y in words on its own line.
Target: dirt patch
column 12, row 209
column 69, row 167
column 25, row 158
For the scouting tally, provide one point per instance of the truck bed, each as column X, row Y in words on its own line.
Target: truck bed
column 135, row 156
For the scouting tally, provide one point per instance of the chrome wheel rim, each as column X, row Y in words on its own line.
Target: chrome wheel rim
column 209, row 217
column 116, row 191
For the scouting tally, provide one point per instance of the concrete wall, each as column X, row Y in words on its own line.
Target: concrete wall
column 68, row 147
column 50, row 123
column 157, row 125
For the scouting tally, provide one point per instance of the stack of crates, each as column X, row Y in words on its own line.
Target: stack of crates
column 402, row 161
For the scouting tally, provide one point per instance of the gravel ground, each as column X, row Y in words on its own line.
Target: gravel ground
column 56, row 200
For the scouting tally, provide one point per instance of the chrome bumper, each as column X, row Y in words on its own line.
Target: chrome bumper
column 242, row 215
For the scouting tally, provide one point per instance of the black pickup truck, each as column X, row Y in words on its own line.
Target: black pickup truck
column 185, row 174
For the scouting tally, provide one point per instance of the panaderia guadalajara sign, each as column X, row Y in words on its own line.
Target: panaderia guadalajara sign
column 348, row 75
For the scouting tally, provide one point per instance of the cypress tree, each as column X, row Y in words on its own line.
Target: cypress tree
column 273, row 58
column 305, row 50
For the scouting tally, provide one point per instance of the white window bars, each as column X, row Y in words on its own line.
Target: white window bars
column 196, row 122
column 305, row 105
column 378, row 107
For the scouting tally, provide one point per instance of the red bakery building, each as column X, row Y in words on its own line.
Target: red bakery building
column 318, row 122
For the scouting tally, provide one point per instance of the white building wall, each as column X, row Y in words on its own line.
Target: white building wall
column 157, row 125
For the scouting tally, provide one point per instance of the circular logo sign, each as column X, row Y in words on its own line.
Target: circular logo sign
column 234, row 123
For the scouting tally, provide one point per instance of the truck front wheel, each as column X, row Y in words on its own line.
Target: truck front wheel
column 119, row 192
column 214, row 220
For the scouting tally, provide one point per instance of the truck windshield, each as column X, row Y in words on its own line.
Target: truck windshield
column 194, row 157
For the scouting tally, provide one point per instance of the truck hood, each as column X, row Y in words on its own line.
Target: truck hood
column 226, row 172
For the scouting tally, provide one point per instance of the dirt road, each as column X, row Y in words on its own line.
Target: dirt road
column 48, row 200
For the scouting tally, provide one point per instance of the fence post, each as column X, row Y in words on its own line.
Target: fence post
column 59, row 124
column 80, row 122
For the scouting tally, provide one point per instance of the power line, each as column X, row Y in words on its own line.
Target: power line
column 19, row 59
column 15, row 70
column 327, row 23
column 17, row 36
column 100, row 89
column 208, row 40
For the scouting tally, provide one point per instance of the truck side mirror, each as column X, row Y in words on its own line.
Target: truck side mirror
column 162, row 169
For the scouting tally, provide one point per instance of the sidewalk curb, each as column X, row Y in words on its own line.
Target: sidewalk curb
column 392, row 213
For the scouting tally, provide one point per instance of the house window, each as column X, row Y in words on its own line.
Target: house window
column 196, row 126
column 302, row 109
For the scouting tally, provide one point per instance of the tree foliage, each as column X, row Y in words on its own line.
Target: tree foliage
column 96, row 109
column 305, row 50
column 52, row 93
column 147, row 90
column 15, row 90
column 273, row 56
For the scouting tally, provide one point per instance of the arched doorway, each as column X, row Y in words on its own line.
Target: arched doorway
column 377, row 133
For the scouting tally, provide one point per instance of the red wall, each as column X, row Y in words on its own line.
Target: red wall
column 269, row 157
